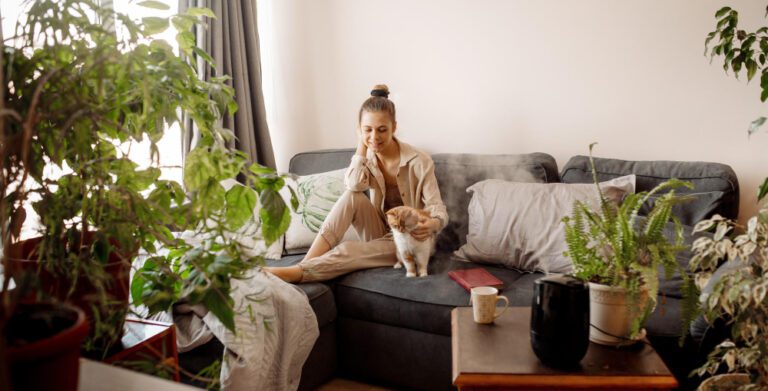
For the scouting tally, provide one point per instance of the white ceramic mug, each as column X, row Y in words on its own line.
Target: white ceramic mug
column 484, row 299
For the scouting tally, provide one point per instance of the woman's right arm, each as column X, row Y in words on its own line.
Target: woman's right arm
column 358, row 175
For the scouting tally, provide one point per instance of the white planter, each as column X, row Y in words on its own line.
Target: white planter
column 609, row 315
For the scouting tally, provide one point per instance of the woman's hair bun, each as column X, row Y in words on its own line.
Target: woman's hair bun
column 380, row 90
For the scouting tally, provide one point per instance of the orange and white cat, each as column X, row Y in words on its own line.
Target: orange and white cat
column 412, row 253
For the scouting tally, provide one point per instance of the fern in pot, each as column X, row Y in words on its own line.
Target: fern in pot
column 620, row 253
column 75, row 97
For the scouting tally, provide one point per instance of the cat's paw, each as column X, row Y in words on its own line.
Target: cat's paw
column 422, row 274
column 410, row 274
column 398, row 266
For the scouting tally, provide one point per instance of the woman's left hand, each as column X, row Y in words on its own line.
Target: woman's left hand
column 425, row 229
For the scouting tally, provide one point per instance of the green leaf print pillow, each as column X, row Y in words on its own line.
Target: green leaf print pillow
column 317, row 194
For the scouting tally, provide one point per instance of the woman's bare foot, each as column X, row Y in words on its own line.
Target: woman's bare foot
column 291, row 274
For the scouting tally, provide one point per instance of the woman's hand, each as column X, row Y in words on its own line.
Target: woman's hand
column 362, row 149
column 425, row 229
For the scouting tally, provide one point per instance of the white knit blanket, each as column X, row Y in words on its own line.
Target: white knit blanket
column 276, row 330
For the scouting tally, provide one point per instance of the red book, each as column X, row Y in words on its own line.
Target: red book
column 470, row 278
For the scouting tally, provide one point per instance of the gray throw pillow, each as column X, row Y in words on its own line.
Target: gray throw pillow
column 699, row 206
column 519, row 225
column 455, row 172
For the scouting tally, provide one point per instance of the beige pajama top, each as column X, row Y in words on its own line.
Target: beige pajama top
column 418, row 188
column 415, row 178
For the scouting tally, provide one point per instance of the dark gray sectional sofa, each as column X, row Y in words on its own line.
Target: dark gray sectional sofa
column 379, row 326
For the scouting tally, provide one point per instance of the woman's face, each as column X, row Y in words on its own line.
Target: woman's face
column 377, row 129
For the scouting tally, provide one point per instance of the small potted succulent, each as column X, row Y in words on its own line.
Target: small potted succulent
column 75, row 95
column 620, row 253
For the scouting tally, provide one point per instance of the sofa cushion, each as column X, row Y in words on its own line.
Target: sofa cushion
column 385, row 295
column 317, row 194
column 709, row 180
column 666, row 319
column 456, row 172
column 314, row 162
column 519, row 225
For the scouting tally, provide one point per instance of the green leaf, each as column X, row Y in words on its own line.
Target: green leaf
column 204, row 55
column 215, row 302
column 722, row 11
column 200, row 11
column 275, row 216
column 196, row 169
column 241, row 201
column 755, row 125
column 183, row 22
column 154, row 24
column 185, row 39
column 751, row 69
column 158, row 5
column 710, row 36
column 145, row 178
column 763, row 190
column 137, row 287
column 138, row 282
column 258, row 169
column 294, row 199
column 214, row 195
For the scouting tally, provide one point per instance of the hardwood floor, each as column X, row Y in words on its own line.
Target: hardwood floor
column 339, row 384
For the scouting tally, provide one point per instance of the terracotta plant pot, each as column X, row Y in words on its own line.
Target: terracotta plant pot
column 109, row 305
column 44, row 346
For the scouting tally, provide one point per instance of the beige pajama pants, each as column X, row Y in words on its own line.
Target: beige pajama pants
column 375, row 249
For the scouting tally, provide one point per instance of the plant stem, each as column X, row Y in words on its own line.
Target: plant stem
column 5, row 380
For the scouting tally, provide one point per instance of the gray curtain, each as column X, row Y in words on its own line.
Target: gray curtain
column 232, row 39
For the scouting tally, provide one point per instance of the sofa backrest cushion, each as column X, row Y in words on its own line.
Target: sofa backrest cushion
column 456, row 172
column 716, row 188
column 315, row 162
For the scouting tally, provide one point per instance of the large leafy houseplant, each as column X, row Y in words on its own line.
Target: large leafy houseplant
column 76, row 94
column 617, row 247
column 739, row 295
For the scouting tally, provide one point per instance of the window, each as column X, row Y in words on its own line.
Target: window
column 10, row 11
column 170, row 144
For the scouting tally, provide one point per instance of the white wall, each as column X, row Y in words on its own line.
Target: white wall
column 514, row 76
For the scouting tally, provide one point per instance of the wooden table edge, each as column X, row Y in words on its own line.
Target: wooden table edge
column 564, row 381
column 454, row 346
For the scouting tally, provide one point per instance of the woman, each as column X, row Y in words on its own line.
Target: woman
column 396, row 174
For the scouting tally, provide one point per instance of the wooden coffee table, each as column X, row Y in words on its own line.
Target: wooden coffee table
column 499, row 356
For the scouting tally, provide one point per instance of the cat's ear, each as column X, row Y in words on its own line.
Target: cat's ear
column 391, row 217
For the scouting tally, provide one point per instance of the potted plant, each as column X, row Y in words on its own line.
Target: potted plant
column 75, row 95
column 738, row 296
column 620, row 253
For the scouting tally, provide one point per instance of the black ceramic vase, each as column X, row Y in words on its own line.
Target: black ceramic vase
column 560, row 320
